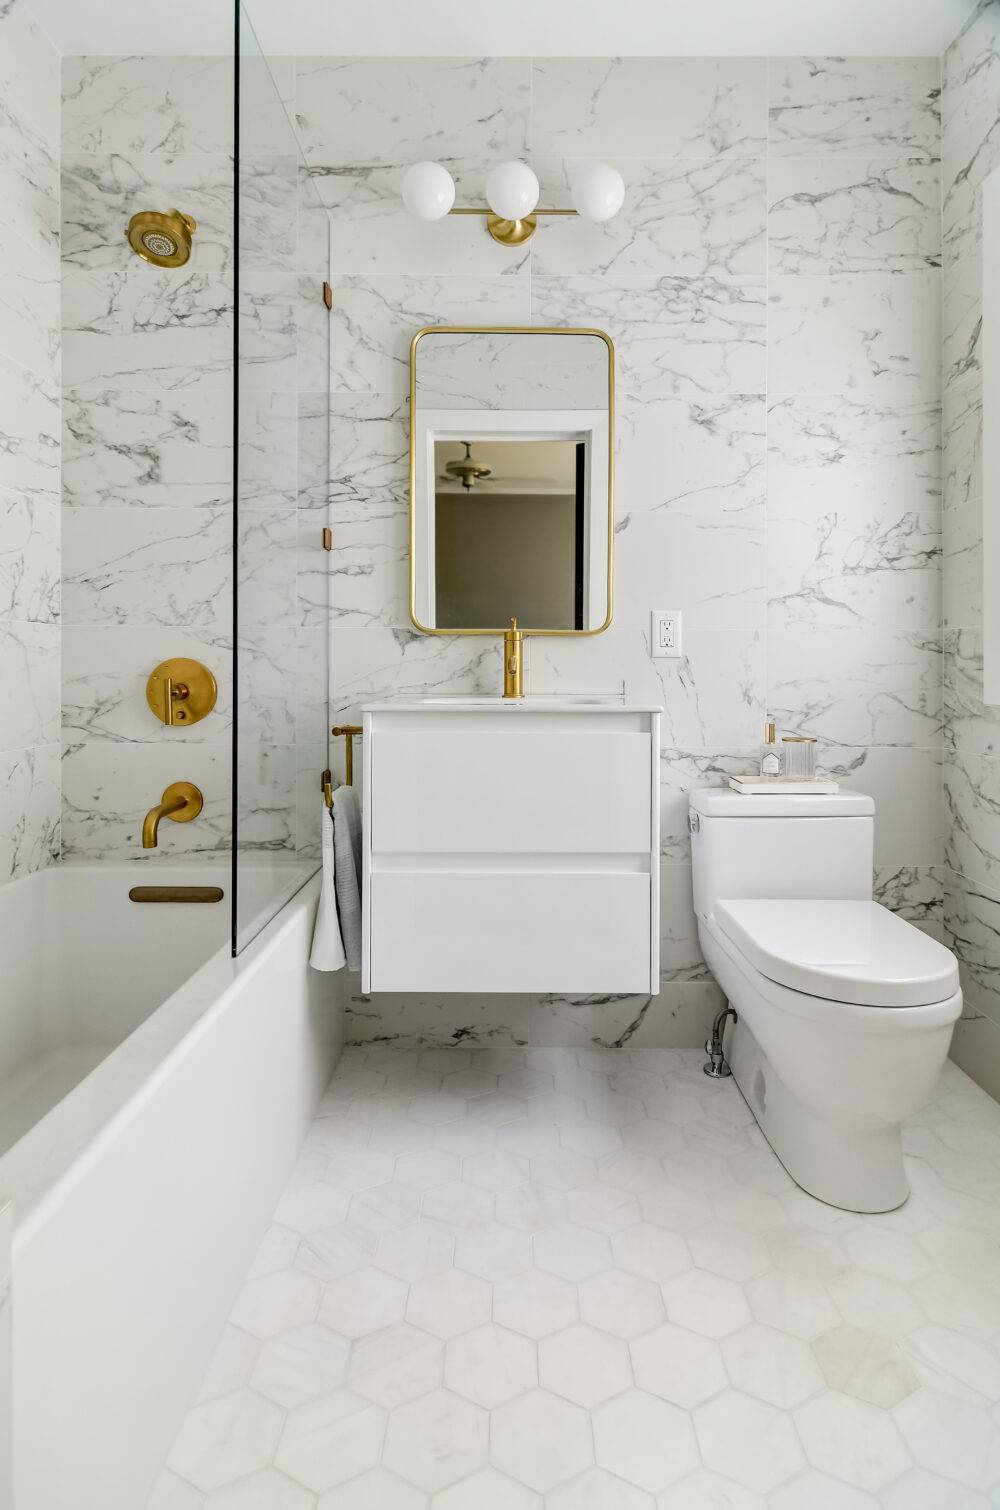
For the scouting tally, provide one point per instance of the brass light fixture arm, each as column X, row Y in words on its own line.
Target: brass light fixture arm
column 508, row 232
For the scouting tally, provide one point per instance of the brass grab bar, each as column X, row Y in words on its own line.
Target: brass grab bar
column 175, row 894
column 350, row 732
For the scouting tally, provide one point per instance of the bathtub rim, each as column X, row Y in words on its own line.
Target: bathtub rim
column 58, row 1150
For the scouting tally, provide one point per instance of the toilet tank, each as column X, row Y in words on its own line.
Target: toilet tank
column 816, row 848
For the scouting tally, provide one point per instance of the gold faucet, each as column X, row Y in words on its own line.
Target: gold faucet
column 513, row 661
column 181, row 802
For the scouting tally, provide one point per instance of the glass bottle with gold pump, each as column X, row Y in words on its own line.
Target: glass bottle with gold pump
column 770, row 756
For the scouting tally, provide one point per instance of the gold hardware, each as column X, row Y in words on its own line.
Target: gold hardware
column 176, row 894
column 513, row 661
column 350, row 732
column 181, row 802
column 510, row 330
column 327, row 538
column 510, row 232
column 163, row 240
column 327, row 295
column 181, row 691
column 326, row 782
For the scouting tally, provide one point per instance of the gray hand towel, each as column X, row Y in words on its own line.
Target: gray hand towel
column 347, row 869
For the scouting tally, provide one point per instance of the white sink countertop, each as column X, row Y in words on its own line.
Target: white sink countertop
column 541, row 704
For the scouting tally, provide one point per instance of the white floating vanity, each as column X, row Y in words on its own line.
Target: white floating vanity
column 511, row 846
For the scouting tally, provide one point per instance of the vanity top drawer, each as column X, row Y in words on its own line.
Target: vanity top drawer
column 505, row 791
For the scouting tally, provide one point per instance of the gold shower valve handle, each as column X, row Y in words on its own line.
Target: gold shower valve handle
column 181, row 692
column 174, row 691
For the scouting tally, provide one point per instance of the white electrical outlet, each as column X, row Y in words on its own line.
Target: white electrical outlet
column 665, row 632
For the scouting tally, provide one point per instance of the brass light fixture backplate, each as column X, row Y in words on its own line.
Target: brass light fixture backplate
column 511, row 232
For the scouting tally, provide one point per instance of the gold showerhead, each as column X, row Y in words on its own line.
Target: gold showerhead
column 164, row 240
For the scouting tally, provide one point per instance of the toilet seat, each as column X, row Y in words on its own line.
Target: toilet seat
column 856, row 952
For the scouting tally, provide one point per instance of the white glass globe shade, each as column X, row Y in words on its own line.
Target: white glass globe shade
column 512, row 191
column 428, row 191
column 598, row 191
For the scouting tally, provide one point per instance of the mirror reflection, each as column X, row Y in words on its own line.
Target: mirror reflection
column 511, row 481
column 509, row 523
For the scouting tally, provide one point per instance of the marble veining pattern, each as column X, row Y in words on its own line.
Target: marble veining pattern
column 837, row 571
column 857, row 685
column 832, row 451
column 148, row 455
column 853, row 216
column 685, row 217
column 970, row 151
column 525, row 1276
column 171, row 105
column 399, row 110
column 853, row 107
column 375, row 318
column 673, row 335
column 29, row 445
column 692, row 455
column 652, row 107
column 876, row 335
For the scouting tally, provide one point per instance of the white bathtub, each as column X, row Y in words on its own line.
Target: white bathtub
column 154, row 1094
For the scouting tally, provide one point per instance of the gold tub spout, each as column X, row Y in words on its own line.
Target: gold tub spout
column 180, row 802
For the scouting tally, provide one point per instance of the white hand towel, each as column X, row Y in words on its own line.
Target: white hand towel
column 327, row 944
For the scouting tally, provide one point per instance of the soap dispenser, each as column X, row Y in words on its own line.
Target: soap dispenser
column 770, row 758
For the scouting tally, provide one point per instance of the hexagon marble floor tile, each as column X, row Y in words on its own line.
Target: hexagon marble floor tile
column 509, row 1279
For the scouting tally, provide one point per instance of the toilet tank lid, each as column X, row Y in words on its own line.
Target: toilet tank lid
column 716, row 802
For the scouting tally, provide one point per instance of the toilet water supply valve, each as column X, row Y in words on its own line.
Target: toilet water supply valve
column 717, row 1068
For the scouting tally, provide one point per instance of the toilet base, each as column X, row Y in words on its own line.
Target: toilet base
column 847, row 1162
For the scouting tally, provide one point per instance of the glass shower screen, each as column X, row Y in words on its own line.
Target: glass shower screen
column 280, row 723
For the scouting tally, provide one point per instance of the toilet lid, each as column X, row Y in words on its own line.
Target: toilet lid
column 844, row 951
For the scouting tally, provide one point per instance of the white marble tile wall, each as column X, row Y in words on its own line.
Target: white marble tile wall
column 970, row 151
column 147, row 444
column 772, row 287
column 29, row 444
column 148, row 456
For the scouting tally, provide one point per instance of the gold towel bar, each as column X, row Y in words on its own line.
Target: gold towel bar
column 349, row 731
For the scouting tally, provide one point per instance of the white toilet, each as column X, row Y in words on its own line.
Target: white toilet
column 844, row 1010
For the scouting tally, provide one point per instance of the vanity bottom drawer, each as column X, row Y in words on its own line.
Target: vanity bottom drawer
column 572, row 932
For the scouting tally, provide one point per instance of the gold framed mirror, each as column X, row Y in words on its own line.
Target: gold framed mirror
column 511, row 479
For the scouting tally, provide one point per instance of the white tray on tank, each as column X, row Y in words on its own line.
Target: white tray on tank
column 750, row 785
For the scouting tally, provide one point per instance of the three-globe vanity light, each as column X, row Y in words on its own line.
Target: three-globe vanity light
column 512, row 190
